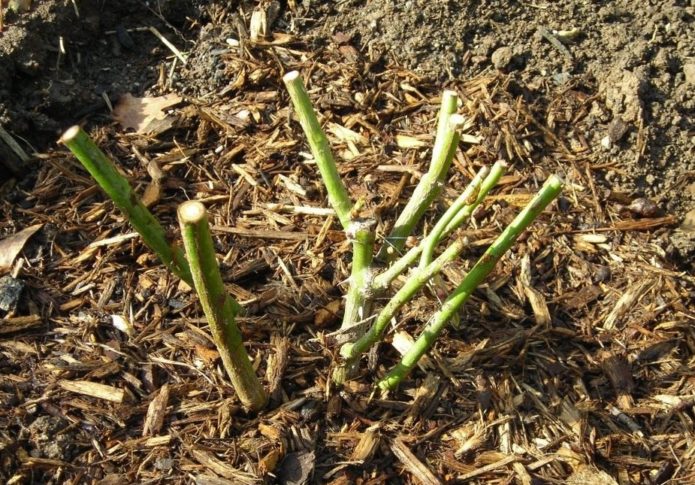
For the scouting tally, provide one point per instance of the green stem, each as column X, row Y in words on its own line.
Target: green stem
column 119, row 190
column 358, row 303
column 431, row 183
column 351, row 352
column 320, row 148
column 496, row 172
column 448, row 107
column 382, row 281
column 220, row 308
column 359, row 298
column 473, row 279
column 467, row 198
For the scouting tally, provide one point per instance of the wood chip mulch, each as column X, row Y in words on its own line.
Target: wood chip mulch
column 572, row 364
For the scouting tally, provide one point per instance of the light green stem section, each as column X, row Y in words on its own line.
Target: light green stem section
column 352, row 351
column 473, row 279
column 496, row 172
column 431, row 183
column 358, row 303
column 220, row 308
column 467, row 198
column 320, row 148
column 119, row 190
column 382, row 281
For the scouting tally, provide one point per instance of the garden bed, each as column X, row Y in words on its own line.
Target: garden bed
column 597, row 390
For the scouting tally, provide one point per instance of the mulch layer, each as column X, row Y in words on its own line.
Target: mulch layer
column 573, row 363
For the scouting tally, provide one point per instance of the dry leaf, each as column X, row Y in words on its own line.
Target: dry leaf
column 145, row 115
column 347, row 135
column 258, row 26
column 296, row 468
column 209, row 356
column 402, row 341
column 11, row 246
column 328, row 315
column 152, row 194
column 269, row 462
column 122, row 324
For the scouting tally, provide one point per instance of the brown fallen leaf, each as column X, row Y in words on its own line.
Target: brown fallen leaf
column 328, row 315
column 145, row 115
column 209, row 356
column 297, row 468
column 11, row 246
column 269, row 462
column 152, row 194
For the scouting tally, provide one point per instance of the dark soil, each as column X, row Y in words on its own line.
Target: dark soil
column 603, row 392
column 637, row 59
column 42, row 91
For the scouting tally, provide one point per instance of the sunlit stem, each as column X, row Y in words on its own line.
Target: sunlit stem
column 467, row 198
column 358, row 301
column 383, row 280
column 119, row 190
column 220, row 309
column 320, row 148
column 473, row 279
column 415, row 282
column 462, row 216
column 430, row 185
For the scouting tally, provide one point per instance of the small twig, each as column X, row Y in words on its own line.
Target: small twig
column 169, row 45
column 16, row 149
column 412, row 464
column 61, row 51
column 107, row 101
column 488, row 468
column 555, row 42
column 626, row 420
column 300, row 210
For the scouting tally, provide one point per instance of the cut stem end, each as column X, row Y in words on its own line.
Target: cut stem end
column 290, row 76
column 191, row 212
column 70, row 134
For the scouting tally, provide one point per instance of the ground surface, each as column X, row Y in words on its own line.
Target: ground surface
column 601, row 393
